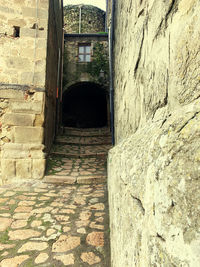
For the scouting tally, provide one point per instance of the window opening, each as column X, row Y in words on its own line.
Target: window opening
column 16, row 32
column 84, row 53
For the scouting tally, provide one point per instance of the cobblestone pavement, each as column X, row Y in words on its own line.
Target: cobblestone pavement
column 44, row 224
column 79, row 156
column 63, row 223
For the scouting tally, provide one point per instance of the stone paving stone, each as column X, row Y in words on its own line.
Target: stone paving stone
column 41, row 258
column 6, row 246
column 95, row 239
column 66, row 243
column 65, row 259
column 55, row 224
column 33, row 246
column 90, row 258
column 23, row 234
column 4, row 223
column 19, row 224
column 14, row 261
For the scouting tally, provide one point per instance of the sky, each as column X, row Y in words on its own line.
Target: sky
column 99, row 3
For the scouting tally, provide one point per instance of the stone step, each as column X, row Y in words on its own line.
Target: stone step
column 79, row 158
column 58, row 179
column 85, row 141
column 79, row 150
column 86, row 132
column 78, row 155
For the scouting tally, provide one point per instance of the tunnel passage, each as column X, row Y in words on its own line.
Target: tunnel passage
column 85, row 106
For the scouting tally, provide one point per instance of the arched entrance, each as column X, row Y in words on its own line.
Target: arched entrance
column 85, row 105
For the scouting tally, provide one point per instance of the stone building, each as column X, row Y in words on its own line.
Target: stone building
column 30, row 80
column 32, row 38
column 85, row 86
column 154, row 168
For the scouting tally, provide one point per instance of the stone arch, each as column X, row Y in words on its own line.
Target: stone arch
column 85, row 105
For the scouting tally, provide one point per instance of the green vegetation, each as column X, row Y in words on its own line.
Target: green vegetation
column 102, row 33
column 100, row 62
column 46, row 224
column 4, row 238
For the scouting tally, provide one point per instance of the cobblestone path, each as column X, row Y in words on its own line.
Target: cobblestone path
column 58, row 224
column 79, row 156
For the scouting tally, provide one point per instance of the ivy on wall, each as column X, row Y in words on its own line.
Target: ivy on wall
column 100, row 63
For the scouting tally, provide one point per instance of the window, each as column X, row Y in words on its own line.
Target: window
column 84, row 53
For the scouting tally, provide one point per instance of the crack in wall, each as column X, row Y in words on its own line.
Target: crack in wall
column 139, row 202
column 163, row 24
column 140, row 52
column 186, row 123
column 160, row 237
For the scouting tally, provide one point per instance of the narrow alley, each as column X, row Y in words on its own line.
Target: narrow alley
column 63, row 221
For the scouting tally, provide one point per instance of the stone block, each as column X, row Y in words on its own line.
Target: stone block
column 39, row 78
column 41, row 43
column 39, row 96
column 27, row 32
column 41, row 54
column 28, row 134
column 14, row 119
column 37, row 154
column 23, row 168
column 38, row 168
column 14, row 151
column 22, row 151
column 28, row 52
column 39, row 120
column 8, row 168
column 44, row 4
column 12, row 94
column 31, row 12
column 27, row 77
column 42, row 34
column 35, row 107
column 17, row 22
column 18, row 63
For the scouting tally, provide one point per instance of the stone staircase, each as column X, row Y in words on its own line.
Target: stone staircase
column 79, row 156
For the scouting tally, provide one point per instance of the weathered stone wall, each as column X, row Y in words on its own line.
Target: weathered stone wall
column 153, row 171
column 22, row 133
column 23, row 58
column 76, row 71
column 24, row 92
column 92, row 19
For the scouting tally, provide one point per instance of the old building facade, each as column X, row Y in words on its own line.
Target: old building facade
column 30, row 76
column 153, row 174
column 31, row 89
column 86, row 79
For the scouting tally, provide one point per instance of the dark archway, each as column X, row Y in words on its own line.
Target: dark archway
column 85, row 106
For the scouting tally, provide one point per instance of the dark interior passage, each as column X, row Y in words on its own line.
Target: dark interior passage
column 85, row 106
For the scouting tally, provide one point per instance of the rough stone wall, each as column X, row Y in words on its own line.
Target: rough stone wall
column 23, row 87
column 154, row 169
column 92, row 19
column 22, row 133
column 76, row 71
column 23, row 58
